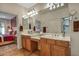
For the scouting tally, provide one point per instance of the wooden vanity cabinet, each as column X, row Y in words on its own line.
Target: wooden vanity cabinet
column 44, row 47
column 26, row 42
column 54, row 47
column 51, row 42
column 29, row 44
column 62, row 43
column 23, row 41
column 59, row 51
column 62, row 48
column 34, row 44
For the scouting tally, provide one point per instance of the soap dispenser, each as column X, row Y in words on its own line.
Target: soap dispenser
column 44, row 29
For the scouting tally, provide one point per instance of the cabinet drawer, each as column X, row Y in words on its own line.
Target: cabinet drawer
column 25, row 37
column 50, row 41
column 59, row 51
column 62, row 43
column 43, row 40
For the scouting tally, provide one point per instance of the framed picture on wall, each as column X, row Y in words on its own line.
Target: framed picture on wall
column 76, row 26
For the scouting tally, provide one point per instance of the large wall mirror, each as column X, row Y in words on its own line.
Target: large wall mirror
column 25, row 23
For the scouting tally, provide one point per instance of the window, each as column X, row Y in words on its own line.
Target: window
column 66, row 22
column 2, row 28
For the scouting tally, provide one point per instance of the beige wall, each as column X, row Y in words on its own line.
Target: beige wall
column 17, row 10
column 14, row 9
column 74, row 35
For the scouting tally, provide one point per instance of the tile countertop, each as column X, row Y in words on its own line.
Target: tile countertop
column 34, row 34
column 49, row 36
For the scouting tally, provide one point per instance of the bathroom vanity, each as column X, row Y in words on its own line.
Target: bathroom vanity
column 48, row 45
column 53, row 47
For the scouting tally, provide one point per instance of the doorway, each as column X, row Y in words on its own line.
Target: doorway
column 8, row 29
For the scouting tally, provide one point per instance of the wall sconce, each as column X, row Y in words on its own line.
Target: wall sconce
column 72, row 12
column 73, row 15
column 21, row 28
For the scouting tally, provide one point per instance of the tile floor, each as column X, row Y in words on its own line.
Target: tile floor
column 11, row 50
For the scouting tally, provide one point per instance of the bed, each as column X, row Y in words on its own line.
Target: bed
column 7, row 39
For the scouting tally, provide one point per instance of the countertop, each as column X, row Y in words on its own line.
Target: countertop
column 57, row 36
column 66, row 38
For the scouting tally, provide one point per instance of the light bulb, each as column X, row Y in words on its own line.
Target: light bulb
column 33, row 11
column 58, row 5
column 48, row 4
column 54, row 7
column 29, row 13
column 62, row 4
column 50, row 8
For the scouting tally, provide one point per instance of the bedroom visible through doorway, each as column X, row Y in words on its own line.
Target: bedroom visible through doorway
column 7, row 28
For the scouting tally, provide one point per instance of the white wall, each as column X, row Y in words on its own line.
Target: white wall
column 74, row 35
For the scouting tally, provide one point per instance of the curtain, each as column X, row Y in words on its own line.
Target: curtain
column 2, row 28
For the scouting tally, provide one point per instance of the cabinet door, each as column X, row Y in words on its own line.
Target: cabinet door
column 23, row 42
column 34, row 45
column 44, row 48
column 59, row 51
column 28, row 44
column 52, row 50
column 62, row 43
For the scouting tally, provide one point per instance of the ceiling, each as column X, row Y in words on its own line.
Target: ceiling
column 27, row 5
column 4, row 15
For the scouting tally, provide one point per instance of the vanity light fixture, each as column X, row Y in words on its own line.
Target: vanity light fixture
column 30, row 14
column 33, row 12
column 62, row 4
column 25, row 16
column 54, row 5
column 58, row 5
